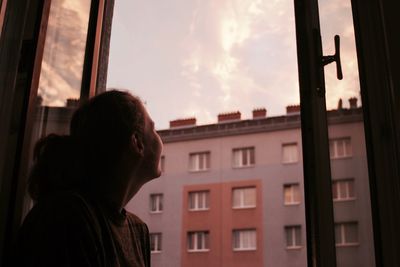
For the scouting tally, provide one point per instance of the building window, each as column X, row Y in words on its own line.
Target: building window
column 155, row 242
column 343, row 189
column 346, row 234
column 293, row 236
column 244, row 239
column 156, row 203
column 243, row 157
column 199, row 200
column 198, row 241
column 162, row 163
column 199, row 161
column 290, row 153
column 291, row 194
column 340, row 148
column 244, row 197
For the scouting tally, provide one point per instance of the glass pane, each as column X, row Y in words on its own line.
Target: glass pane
column 231, row 64
column 64, row 52
column 346, row 126
column 61, row 70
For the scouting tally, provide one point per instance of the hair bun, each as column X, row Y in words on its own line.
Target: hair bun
column 53, row 158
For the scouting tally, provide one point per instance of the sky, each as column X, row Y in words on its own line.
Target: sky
column 192, row 58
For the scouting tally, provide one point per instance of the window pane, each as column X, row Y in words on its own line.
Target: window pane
column 289, row 237
column 237, row 196
column 249, row 196
column 245, row 154
column 298, row 236
column 350, row 231
column 335, row 190
column 342, row 97
column 61, row 73
column 287, row 194
column 252, row 156
column 200, row 59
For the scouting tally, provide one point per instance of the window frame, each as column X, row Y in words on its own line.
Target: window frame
column 333, row 143
column 343, row 234
column 337, row 182
column 196, row 195
column 158, row 242
column 291, row 229
column 292, row 194
column 245, row 152
column 242, row 197
column 205, row 156
column 205, row 240
column 158, row 198
column 287, row 162
column 242, row 231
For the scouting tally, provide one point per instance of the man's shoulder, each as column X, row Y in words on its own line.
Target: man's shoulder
column 62, row 207
column 133, row 218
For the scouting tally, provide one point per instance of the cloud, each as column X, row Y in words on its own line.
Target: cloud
column 208, row 56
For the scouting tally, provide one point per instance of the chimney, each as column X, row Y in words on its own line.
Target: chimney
column 259, row 113
column 353, row 102
column 340, row 104
column 231, row 116
column 72, row 103
column 182, row 123
column 293, row 109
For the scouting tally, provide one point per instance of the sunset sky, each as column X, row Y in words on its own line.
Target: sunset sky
column 201, row 58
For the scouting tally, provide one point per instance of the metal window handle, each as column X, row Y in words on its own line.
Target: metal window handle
column 335, row 58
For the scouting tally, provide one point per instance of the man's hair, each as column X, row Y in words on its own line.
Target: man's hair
column 100, row 130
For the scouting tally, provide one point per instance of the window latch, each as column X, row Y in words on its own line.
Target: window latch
column 334, row 58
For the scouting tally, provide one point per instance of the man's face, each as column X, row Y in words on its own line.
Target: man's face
column 150, row 167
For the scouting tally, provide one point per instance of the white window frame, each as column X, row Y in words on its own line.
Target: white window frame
column 201, row 200
column 334, row 145
column 240, row 155
column 195, row 160
column 291, row 188
column 247, row 239
column 157, row 239
column 195, row 236
column 291, row 230
column 292, row 159
column 343, row 196
column 242, row 201
column 344, row 243
column 159, row 199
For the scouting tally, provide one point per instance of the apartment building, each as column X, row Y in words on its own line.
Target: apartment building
column 232, row 193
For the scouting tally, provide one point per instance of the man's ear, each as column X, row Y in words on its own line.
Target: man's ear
column 137, row 144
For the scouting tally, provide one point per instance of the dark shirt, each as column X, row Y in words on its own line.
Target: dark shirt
column 68, row 229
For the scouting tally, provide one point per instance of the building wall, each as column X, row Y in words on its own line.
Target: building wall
column 270, row 175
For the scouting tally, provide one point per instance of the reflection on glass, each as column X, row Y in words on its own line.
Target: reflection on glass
column 349, row 169
column 61, row 70
column 62, row 65
column 219, row 79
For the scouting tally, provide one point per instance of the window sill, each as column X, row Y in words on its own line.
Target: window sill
column 292, row 204
column 244, row 249
column 290, row 163
column 244, row 167
column 347, row 245
column 244, row 208
column 344, row 199
column 194, row 210
column 197, row 171
column 199, row 250
column 294, row 248
column 155, row 212
column 344, row 157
